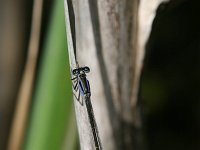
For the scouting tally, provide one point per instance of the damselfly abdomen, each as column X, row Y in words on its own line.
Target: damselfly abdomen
column 82, row 86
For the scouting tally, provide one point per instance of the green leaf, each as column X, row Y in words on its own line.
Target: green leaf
column 52, row 100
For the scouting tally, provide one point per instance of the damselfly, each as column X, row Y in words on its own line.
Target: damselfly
column 82, row 85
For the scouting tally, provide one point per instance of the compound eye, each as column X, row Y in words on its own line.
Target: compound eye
column 75, row 72
column 86, row 69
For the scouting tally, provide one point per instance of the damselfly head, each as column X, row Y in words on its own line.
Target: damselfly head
column 82, row 75
column 86, row 69
column 76, row 72
column 81, row 70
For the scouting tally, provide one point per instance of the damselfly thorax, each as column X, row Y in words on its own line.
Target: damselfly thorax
column 81, row 81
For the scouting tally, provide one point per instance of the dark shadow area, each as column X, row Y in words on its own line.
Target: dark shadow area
column 171, row 78
column 72, row 23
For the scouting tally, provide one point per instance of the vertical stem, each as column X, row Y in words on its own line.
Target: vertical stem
column 24, row 97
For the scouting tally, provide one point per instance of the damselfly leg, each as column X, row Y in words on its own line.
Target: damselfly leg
column 75, row 88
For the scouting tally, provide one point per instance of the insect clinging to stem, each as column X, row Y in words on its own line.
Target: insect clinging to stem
column 81, row 82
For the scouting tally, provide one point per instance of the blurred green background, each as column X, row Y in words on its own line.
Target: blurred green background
column 52, row 99
column 51, row 121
